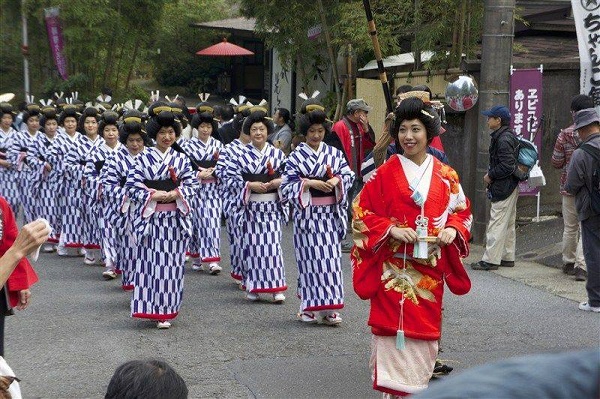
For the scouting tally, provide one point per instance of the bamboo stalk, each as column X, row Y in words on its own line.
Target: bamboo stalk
column 378, row 58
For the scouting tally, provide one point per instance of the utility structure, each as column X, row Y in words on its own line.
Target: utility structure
column 494, row 82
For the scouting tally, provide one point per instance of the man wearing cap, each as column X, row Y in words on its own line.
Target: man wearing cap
column 502, row 191
column 566, row 143
column 355, row 133
column 358, row 139
column 581, row 182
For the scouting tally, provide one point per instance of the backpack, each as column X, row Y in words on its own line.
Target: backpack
column 526, row 158
column 595, row 192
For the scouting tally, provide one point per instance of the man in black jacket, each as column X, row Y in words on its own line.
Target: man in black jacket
column 226, row 132
column 502, row 182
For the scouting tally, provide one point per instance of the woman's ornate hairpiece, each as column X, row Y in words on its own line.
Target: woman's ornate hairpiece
column 427, row 113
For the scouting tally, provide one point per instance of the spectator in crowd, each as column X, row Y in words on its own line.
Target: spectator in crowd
column 583, row 182
column 567, row 141
column 282, row 135
column 146, row 379
column 502, row 191
column 16, row 273
column 540, row 376
column 226, row 132
column 356, row 134
column 358, row 139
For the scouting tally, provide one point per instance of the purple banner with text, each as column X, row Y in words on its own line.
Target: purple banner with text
column 526, row 110
column 55, row 39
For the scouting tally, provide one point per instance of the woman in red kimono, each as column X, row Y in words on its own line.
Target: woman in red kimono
column 15, row 293
column 411, row 227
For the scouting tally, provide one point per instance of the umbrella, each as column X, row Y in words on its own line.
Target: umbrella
column 224, row 49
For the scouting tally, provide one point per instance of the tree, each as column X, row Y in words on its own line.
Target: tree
column 177, row 63
column 442, row 26
column 107, row 43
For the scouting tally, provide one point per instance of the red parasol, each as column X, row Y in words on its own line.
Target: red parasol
column 224, row 49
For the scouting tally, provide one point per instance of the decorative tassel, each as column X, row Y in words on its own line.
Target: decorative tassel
column 329, row 172
column 270, row 170
column 400, row 344
column 172, row 174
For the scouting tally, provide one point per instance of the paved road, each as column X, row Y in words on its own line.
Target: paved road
column 78, row 330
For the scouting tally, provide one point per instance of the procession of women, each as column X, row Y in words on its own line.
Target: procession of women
column 144, row 193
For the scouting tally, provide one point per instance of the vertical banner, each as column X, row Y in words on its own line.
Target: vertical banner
column 55, row 39
column 526, row 110
column 586, row 14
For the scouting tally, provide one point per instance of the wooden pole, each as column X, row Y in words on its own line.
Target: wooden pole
column 377, row 50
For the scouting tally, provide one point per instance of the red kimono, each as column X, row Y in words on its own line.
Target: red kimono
column 23, row 276
column 379, row 271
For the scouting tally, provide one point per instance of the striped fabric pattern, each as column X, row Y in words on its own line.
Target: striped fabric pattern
column 159, row 270
column 9, row 187
column 58, row 152
column 208, row 207
column 163, row 237
column 261, row 243
column 318, row 230
column 21, row 155
column 76, row 233
column 117, row 216
column 230, row 153
column 46, row 187
column 260, row 222
column 99, row 232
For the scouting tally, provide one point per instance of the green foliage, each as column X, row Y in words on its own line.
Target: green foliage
column 108, row 43
column 402, row 25
column 55, row 84
column 177, row 64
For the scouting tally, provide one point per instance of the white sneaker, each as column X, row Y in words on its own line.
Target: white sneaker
column 163, row 325
column 332, row 319
column 89, row 261
column 197, row 267
column 308, row 317
column 586, row 306
column 278, row 297
column 62, row 251
column 47, row 248
column 109, row 274
column 251, row 296
column 214, row 268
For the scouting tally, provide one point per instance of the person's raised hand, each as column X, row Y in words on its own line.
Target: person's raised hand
column 31, row 236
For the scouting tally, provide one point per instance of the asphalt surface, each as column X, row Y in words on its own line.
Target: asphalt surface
column 78, row 330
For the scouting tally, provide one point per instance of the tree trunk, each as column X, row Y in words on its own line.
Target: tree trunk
column 332, row 60
column 133, row 58
column 111, row 49
column 118, row 68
